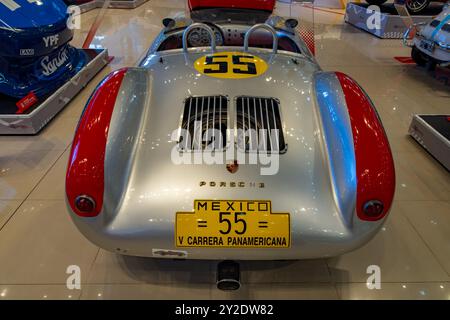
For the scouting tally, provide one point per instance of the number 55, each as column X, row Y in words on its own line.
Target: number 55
column 224, row 219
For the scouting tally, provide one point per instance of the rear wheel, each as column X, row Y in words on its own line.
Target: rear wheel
column 416, row 6
column 376, row 2
column 418, row 57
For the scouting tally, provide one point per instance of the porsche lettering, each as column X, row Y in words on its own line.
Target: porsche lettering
column 232, row 184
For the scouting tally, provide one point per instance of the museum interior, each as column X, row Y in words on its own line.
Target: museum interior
column 99, row 198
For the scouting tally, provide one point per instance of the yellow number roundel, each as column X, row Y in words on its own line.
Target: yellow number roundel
column 231, row 65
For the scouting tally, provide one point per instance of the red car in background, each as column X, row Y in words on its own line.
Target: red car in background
column 266, row 5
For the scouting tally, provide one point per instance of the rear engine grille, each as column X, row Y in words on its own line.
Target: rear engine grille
column 259, row 125
column 204, row 124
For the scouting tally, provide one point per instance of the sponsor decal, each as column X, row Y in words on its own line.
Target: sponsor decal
column 169, row 253
column 26, row 102
column 27, row 52
column 51, row 65
column 51, row 41
column 231, row 65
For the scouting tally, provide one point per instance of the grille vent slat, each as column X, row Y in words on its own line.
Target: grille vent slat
column 201, row 117
column 259, row 123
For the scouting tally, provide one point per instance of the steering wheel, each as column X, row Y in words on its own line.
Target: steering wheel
column 201, row 35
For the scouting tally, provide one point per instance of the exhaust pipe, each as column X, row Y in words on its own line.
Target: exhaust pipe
column 228, row 276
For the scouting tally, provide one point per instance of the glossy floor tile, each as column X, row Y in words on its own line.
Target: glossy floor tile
column 7, row 208
column 397, row 291
column 52, row 186
column 38, row 241
column 39, row 244
column 285, row 272
column 22, row 170
column 399, row 252
column 57, row 135
column 145, row 292
column 420, row 177
column 431, row 219
column 110, row 268
column 38, row 292
column 277, row 291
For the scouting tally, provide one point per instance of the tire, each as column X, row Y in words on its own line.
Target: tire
column 431, row 65
column 416, row 6
column 376, row 2
column 418, row 57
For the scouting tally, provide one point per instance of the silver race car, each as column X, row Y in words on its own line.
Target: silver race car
column 431, row 43
column 229, row 142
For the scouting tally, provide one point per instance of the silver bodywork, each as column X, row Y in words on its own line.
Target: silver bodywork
column 438, row 36
column 316, row 182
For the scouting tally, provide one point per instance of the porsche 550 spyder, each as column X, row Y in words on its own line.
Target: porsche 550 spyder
column 161, row 162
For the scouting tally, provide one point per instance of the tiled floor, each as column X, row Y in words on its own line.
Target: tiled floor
column 38, row 242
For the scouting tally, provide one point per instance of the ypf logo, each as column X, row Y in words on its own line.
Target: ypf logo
column 51, row 41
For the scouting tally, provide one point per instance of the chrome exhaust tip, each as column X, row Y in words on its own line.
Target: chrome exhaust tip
column 228, row 276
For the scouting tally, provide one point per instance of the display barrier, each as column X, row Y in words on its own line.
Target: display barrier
column 53, row 71
column 432, row 132
column 394, row 20
column 118, row 4
column 35, row 118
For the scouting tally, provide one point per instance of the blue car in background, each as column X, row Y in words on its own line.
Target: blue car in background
column 35, row 55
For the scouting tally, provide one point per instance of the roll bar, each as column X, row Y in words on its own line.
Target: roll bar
column 264, row 26
column 201, row 26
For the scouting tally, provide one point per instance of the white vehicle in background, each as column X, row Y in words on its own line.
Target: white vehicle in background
column 431, row 43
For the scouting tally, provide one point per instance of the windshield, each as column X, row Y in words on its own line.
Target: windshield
column 228, row 36
column 239, row 16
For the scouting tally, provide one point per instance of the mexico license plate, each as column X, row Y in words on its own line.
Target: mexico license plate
column 232, row 224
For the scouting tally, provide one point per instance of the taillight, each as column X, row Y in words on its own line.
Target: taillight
column 85, row 172
column 85, row 204
column 373, row 208
column 375, row 171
